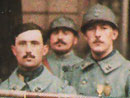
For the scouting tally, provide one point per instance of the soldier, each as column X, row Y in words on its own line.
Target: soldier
column 29, row 47
column 105, row 71
column 62, row 36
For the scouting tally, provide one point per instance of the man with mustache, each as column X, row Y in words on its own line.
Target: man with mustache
column 105, row 71
column 62, row 36
column 29, row 47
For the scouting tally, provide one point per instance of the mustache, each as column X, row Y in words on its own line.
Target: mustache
column 60, row 41
column 28, row 55
column 98, row 41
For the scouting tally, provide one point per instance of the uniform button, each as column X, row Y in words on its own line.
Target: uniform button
column 84, row 82
column 14, row 87
column 109, row 67
column 37, row 89
column 65, row 68
column 107, row 82
column 106, row 68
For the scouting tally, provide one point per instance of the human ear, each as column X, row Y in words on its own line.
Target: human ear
column 75, row 40
column 13, row 48
column 45, row 49
column 115, row 35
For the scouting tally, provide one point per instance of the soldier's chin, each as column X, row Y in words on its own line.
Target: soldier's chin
column 61, row 52
column 29, row 66
column 98, row 51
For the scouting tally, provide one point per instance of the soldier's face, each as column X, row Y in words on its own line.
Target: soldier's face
column 29, row 49
column 100, row 38
column 62, row 41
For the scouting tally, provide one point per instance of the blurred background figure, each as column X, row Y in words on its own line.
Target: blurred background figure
column 63, row 36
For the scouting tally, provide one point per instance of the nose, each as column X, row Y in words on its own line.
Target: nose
column 60, row 35
column 98, row 32
column 28, row 48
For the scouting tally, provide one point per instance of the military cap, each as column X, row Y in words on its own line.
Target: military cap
column 98, row 12
column 63, row 22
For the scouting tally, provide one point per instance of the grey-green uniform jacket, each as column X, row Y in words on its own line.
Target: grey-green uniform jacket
column 109, row 75
column 45, row 82
column 60, row 65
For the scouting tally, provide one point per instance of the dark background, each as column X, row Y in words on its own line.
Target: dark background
column 10, row 15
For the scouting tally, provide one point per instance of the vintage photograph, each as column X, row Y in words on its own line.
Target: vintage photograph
column 64, row 49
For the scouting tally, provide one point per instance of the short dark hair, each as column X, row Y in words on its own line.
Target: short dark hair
column 95, row 22
column 20, row 28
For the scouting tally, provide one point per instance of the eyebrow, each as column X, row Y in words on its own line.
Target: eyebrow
column 29, row 41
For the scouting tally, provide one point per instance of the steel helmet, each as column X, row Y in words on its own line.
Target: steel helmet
column 64, row 22
column 98, row 12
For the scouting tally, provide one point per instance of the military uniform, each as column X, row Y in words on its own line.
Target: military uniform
column 109, row 76
column 60, row 65
column 45, row 82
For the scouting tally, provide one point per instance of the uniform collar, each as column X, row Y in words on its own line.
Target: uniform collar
column 42, row 82
column 108, row 64
column 111, row 63
column 109, row 55
column 87, row 62
column 68, row 59
column 65, row 56
column 29, row 75
column 39, row 83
